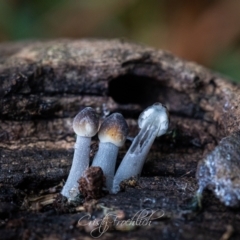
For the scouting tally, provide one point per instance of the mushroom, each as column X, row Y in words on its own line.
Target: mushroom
column 85, row 125
column 112, row 135
column 153, row 122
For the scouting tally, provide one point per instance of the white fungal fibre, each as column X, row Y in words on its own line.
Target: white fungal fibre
column 153, row 122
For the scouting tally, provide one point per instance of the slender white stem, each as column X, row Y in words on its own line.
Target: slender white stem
column 106, row 159
column 134, row 159
column 79, row 165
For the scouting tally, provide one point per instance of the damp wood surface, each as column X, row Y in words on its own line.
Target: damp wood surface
column 42, row 87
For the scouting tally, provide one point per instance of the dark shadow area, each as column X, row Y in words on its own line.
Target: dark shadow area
column 130, row 89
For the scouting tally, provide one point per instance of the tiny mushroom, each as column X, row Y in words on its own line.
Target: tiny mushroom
column 85, row 125
column 153, row 122
column 112, row 135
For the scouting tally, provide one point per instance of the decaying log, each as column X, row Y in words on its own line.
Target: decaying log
column 42, row 87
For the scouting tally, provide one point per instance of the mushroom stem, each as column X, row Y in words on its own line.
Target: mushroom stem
column 134, row 159
column 79, row 165
column 153, row 122
column 107, row 151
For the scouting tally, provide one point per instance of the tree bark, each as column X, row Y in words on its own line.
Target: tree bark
column 43, row 85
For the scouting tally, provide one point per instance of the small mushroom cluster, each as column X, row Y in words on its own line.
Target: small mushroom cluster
column 153, row 122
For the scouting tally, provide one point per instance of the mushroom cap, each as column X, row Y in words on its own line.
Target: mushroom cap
column 86, row 122
column 114, row 129
column 156, row 115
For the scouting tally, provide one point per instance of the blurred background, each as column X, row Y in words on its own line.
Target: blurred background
column 204, row 31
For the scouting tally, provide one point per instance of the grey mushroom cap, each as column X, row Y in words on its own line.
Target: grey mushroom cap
column 86, row 123
column 150, row 114
column 114, row 129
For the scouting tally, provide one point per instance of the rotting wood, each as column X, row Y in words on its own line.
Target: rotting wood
column 44, row 84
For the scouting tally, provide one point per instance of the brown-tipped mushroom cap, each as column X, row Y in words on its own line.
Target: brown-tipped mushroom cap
column 114, row 129
column 86, row 123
